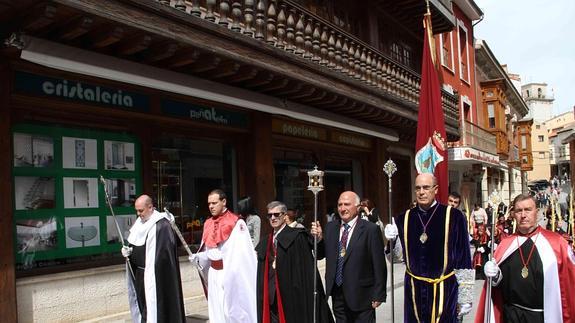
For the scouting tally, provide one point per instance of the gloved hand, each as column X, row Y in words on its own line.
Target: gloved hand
column 126, row 251
column 491, row 269
column 481, row 249
column 464, row 309
column 194, row 260
column 390, row 232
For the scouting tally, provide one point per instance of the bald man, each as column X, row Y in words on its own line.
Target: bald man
column 356, row 274
column 438, row 276
column 155, row 289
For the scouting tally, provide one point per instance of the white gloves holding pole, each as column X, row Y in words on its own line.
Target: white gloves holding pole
column 390, row 231
column 126, row 251
column 491, row 270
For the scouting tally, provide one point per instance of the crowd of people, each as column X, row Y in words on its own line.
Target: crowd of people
column 249, row 277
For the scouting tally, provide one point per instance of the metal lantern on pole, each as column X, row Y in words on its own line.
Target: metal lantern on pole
column 315, row 185
column 390, row 168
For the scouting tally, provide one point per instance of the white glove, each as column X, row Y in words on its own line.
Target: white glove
column 464, row 309
column 126, row 251
column 491, row 269
column 391, row 232
column 194, row 260
column 481, row 249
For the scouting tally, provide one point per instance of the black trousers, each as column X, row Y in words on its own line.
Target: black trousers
column 343, row 314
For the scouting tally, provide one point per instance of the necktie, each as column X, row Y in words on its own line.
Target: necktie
column 341, row 254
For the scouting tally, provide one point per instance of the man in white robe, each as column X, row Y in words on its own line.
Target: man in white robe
column 228, row 264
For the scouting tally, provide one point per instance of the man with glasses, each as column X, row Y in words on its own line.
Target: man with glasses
column 355, row 275
column 227, row 261
column 285, row 286
column 532, row 273
column 439, row 278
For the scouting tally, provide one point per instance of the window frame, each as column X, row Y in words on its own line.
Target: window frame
column 461, row 27
column 451, row 66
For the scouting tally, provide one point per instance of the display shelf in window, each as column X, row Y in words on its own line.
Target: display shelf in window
column 60, row 215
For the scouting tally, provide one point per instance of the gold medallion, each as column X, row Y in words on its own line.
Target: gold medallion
column 342, row 253
column 524, row 272
column 423, row 237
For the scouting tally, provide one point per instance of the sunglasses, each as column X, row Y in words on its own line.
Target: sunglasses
column 275, row 215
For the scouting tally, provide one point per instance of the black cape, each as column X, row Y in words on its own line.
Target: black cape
column 169, row 299
column 294, row 269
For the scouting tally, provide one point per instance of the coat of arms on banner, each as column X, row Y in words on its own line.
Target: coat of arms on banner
column 429, row 156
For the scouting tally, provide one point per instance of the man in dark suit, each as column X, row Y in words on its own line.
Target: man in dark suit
column 356, row 273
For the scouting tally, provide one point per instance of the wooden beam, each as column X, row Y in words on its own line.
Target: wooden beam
column 263, row 78
column 246, row 73
column 41, row 17
column 184, row 57
column 226, row 69
column 277, row 84
column 205, row 64
column 108, row 38
column 263, row 170
column 7, row 271
column 76, row 29
column 134, row 45
column 160, row 52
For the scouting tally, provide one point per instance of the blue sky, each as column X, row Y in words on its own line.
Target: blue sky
column 536, row 39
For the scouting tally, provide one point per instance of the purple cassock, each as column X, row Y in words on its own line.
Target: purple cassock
column 435, row 248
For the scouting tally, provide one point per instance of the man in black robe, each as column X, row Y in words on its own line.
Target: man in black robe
column 154, row 283
column 285, row 274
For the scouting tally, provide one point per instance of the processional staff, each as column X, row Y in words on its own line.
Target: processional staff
column 124, row 242
column 389, row 168
column 495, row 199
column 315, row 185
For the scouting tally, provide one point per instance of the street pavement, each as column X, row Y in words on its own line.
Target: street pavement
column 383, row 313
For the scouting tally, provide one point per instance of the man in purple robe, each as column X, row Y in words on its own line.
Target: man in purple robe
column 438, row 277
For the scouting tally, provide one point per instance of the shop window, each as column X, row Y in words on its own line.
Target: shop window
column 184, row 172
column 60, row 211
column 291, row 180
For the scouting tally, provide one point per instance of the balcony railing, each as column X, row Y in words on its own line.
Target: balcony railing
column 288, row 26
column 477, row 137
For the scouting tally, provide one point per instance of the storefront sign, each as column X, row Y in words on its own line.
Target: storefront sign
column 467, row 153
column 80, row 92
column 298, row 130
column 350, row 139
column 200, row 113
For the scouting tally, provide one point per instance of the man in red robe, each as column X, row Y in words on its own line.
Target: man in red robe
column 531, row 275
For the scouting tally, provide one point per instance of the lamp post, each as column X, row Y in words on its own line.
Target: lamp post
column 315, row 185
column 390, row 168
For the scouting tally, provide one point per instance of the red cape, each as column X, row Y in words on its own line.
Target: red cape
column 559, row 278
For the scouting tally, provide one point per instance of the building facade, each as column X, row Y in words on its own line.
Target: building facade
column 457, row 57
column 174, row 99
column 503, row 114
column 540, row 103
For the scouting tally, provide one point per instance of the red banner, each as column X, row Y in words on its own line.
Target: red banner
column 430, row 145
